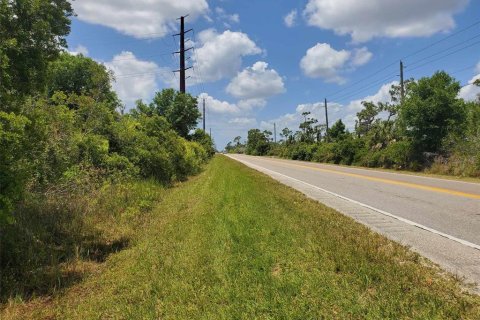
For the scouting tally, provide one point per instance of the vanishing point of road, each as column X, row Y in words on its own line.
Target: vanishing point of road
column 438, row 218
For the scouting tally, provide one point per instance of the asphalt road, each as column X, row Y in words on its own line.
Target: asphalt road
column 437, row 217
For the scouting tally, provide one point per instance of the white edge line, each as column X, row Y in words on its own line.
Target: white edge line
column 412, row 223
column 377, row 171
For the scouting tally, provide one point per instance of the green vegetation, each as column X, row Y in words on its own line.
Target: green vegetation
column 74, row 167
column 98, row 220
column 430, row 129
column 234, row 244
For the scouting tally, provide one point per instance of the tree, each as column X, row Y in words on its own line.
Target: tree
column 337, row 131
column 180, row 109
column 366, row 118
column 237, row 141
column 268, row 135
column 204, row 139
column 432, row 111
column 82, row 76
column 257, row 143
column 229, row 148
column 32, row 34
column 287, row 134
column 308, row 129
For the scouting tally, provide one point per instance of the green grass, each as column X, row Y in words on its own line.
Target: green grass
column 232, row 243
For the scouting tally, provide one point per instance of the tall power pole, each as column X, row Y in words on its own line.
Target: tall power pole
column 182, row 53
column 275, row 132
column 402, row 84
column 326, row 118
column 203, row 114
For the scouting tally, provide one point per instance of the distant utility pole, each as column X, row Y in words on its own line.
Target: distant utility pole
column 182, row 52
column 203, row 114
column 275, row 132
column 210, row 132
column 326, row 118
column 402, row 84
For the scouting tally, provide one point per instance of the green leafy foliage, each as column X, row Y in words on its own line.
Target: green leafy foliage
column 337, row 131
column 31, row 35
column 432, row 111
column 204, row 139
column 12, row 174
column 66, row 146
column 82, row 76
column 63, row 145
column 431, row 129
column 178, row 108
column 257, row 143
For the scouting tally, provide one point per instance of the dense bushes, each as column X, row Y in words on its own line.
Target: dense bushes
column 430, row 129
column 58, row 152
column 76, row 172
column 12, row 142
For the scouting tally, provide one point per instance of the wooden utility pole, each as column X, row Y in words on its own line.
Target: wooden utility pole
column 275, row 132
column 326, row 119
column 203, row 114
column 182, row 53
column 402, row 84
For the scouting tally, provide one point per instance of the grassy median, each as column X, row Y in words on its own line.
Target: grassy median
column 232, row 243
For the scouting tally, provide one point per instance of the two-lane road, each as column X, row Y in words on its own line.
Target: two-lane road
column 434, row 216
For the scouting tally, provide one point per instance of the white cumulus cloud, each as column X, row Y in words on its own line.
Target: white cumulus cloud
column 382, row 95
column 135, row 79
column 323, row 61
column 217, row 106
column 470, row 92
column 243, row 121
column 80, row 49
column 256, row 82
column 249, row 104
column 290, row 18
column 220, row 55
column 139, row 18
column 366, row 19
column 361, row 56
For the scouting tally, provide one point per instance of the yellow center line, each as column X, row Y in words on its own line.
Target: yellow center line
column 384, row 180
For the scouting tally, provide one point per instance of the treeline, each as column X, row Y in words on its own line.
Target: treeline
column 431, row 128
column 71, row 158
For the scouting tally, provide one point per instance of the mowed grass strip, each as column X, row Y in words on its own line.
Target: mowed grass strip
column 234, row 244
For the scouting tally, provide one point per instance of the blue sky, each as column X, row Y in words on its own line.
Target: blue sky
column 260, row 62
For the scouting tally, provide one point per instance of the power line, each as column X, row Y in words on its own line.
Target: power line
column 443, row 51
column 196, row 59
column 446, row 55
column 362, row 80
column 392, row 77
column 443, row 39
column 354, row 93
column 141, row 57
column 137, row 37
column 141, row 74
column 463, row 69
column 405, row 57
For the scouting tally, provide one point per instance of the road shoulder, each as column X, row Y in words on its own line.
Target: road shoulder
column 461, row 260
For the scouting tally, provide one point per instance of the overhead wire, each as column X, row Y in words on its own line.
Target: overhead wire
column 476, row 23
